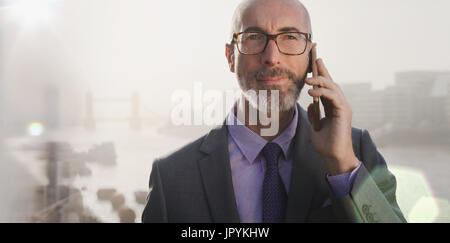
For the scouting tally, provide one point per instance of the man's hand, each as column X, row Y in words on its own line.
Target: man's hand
column 334, row 140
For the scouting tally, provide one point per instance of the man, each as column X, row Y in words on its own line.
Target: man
column 235, row 174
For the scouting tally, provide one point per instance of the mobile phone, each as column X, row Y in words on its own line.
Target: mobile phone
column 316, row 104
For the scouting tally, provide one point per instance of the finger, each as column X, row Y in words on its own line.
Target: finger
column 329, row 94
column 322, row 69
column 320, row 81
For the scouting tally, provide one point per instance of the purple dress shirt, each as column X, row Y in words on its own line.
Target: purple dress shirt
column 248, row 167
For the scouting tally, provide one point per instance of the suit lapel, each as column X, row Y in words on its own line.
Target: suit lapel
column 305, row 170
column 215, row 171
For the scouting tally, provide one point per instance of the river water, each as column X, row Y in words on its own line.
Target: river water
column 422, row 172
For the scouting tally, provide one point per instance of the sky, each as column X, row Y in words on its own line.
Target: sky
column 115, row 47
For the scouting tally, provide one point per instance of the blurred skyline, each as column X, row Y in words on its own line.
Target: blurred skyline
column 114, row 47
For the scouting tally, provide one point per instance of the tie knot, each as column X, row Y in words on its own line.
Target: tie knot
column 271, row 152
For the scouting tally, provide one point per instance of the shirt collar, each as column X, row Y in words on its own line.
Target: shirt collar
column 251, row 144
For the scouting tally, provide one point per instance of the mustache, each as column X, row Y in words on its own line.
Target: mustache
column 273, row 73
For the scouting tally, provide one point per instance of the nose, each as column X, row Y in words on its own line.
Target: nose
column 271, row 55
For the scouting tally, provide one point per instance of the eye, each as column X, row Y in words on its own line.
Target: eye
column 254, row 36
column 291, row 37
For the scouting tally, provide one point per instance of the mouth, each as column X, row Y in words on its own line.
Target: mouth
column 272, row 80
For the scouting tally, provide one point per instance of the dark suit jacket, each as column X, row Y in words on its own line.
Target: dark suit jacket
column 194, row 185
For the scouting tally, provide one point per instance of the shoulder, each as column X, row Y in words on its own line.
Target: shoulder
column 362, row 141
column 366, row 150
column 187, row 156
column 182, row 157
column 361, row 138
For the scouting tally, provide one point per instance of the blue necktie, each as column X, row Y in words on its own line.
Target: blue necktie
column 274, row 193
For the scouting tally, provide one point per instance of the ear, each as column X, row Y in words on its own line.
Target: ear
column 229, row 53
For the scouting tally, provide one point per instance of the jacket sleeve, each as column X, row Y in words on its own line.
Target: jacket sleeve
column 372, row 198
column 155, row 211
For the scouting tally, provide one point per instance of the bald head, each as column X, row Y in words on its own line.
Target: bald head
column 270, row 13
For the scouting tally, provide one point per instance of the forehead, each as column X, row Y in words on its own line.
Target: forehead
column 273, row 16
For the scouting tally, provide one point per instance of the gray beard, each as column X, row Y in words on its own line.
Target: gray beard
column 286, row 103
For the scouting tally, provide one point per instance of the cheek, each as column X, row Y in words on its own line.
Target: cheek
column 299, row 65
column 246, row 64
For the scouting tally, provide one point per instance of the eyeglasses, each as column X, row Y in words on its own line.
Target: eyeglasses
column 288, row 43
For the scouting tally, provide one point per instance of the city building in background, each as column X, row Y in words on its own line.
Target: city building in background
column 367, row 105
column 418, row 99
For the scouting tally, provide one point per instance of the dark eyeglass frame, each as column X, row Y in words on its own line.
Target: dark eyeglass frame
column 274, row 38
